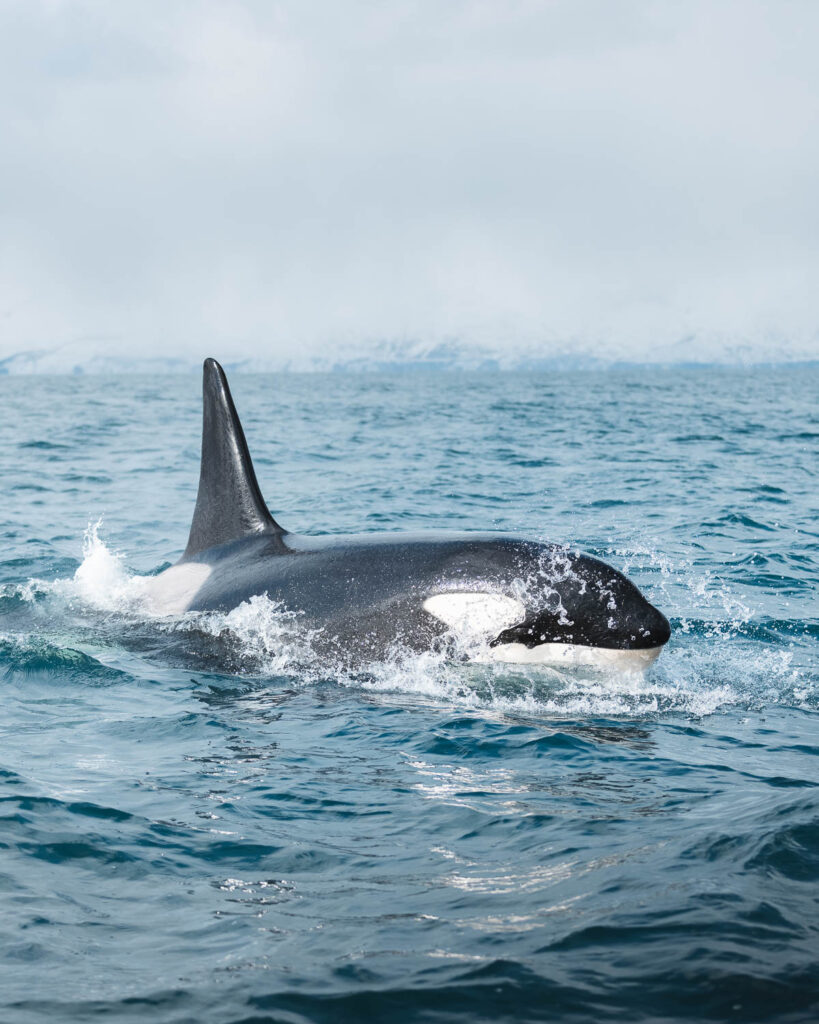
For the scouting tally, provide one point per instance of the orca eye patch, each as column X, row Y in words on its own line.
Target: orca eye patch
column 475, row 614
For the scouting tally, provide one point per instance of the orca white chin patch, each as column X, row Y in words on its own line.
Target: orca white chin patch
column 171, row 592
column 474, row 615
column 573, row 656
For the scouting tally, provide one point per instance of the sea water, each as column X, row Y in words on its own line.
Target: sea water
column 203, row 822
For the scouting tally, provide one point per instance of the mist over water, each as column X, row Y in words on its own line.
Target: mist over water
column 303, row 185
column 204, row 820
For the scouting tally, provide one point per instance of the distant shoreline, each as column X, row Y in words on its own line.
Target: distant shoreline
column 49, row 364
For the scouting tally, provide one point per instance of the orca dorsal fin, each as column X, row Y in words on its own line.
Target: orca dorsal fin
column 229, row 504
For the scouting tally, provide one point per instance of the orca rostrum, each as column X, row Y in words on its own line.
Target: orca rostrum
column 494, row 596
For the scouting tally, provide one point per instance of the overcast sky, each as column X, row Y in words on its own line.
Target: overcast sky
column 315, row 178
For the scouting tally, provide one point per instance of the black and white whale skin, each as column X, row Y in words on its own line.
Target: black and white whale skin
column 366, row 595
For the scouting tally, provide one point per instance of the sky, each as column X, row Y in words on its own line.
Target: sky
column 309, row 183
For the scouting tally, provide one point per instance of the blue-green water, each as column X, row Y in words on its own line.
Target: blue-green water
column 200, row 823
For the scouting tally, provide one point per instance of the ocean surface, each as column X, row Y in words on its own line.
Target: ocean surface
column 203, row 823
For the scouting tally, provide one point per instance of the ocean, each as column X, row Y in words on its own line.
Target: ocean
column 202, row 822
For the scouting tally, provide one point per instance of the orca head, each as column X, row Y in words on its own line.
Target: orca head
column 579, row 602
column 540, row 604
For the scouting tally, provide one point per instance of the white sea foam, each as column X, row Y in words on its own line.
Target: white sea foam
column 102, row 580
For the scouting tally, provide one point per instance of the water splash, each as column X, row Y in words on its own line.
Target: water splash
column 102, row 579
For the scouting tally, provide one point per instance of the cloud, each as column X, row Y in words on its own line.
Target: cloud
column 300, row 181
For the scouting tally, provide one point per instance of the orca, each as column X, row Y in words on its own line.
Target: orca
column 502, row 597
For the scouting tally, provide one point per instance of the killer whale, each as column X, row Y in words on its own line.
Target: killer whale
column 365, row 595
